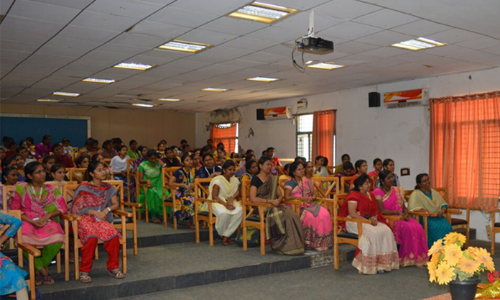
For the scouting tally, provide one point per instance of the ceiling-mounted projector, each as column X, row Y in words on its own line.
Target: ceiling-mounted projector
column 315, row 45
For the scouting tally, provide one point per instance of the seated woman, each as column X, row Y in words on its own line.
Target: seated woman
column 119, row 165
column 361, row 167
column 12, row 276
column 82, row 162
column 319, row 167
column 348, row 170
column 409, row 234
column 133, row 151
column 25, row 153
column 251, row 168
column 316, row 220
column 10, row 176
column 150, row 174
column 170, row 159
column 425, row 199
column 95, row 202
column 58, row 173
column 377, row 251
column 107, row 150
column 109, row 169
column 209, row 169
column 184, row 180
column 61, row 157
column 133, row 170
column 283, row 226
column 225, row 190
column 196, row 161
column 44, row 148
column 48, row 162
column 388, row 164
column 40, row 205
column 377, row 165
column 16, row 161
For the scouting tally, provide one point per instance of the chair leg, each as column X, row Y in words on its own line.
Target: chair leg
column 210, row 233
column 262, row 240
column 66, row 262
column 197, row 229
column 336, row 258
column 164, row 216
column 58, row 262
column 467, row 235
column 492, row 241
column 134, row 232
column 124, row 257
column 245, row 244
column 32, row 284
column 77, row 261
column 146, row 210
column 97, row 252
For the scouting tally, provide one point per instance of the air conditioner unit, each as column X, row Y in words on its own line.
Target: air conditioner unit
column 406, row 98
column 276, row 113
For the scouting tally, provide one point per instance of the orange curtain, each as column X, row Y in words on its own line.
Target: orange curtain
column 323, row 132
column 226, row 135
column 465, row 148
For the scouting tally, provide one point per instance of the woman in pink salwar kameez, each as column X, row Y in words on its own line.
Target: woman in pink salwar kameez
column 408, row 233
column 316, row 220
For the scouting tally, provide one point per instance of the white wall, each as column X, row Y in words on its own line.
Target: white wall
column 366, row 133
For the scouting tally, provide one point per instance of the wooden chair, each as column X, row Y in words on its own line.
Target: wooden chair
column 169, row 201
column 202, row 193
column 343, row 184
column 457, row 223
column 327, row 187
column 342, row 237
column 495, row 227
column 130, row 222
column 257, row 220
column 32, row 252
column 7, row 194
column 72, row 174
column 130, row 176
column 331, row 170
column 68, row 190
column 295, row 203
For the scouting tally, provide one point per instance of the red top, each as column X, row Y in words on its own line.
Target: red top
column 366, row 206
column 65, row 160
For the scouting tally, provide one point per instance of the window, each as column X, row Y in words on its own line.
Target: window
column 304, row 136
column 226, row 133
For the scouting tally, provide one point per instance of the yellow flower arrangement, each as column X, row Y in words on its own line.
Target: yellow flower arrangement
column 449, row 262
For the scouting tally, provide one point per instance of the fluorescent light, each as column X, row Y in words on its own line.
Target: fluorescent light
column 98, row 80
column 170, row 99
column 418, row 44
column 210, row 89
column 262, row 12
column 67, row 94
column 262, row 79
column 133, row 66
column 183, row 46
column 325, row 66
column 142, row 104
column 309, row 62
column 48, row 100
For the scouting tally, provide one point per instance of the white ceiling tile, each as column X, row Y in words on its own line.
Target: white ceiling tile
column 350, row 30
column 384, row 52
column 453, row 36
column 120, row 49
column 421, row 28
column 5, row 6
column 181, row 17
column 277, row 34
column 300, row 22
column 18, row 46
column 163, row 31
column 494, row 50
column 68, row 47
column 480, row 43
column 354, row 47
column 206, row 37
column 88, row 34
column 12, row 54
column 233, row 26
column 346, row 9
column 263, row 57
column 104, row 21
column 385, row 19
column 127, row 8
column 385, row 38
column 78, row 4
column 249, row 43
column 27, row 30
column 217, row 7
column 138, row 40
column 43, row 12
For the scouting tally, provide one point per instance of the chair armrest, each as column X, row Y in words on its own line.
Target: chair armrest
column 492, row 211
column 68, row 217
column 392, row 217
column 354, row 220
column 422, row 214
column 30, row 249
column 204, row 200
column 293, row 201
column 123, row 213
column 454, row 211
column 130, row 204
column 258, row 204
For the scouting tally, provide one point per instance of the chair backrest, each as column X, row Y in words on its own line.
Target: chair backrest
column 200, row 190
column 326, row 187
column 331, row 169
column 73, row 171
column 407, row 194
column 443, row 192
column 343, row 184
column 166, row 174
column 245, row 191
column 130, row 162
column 118, row 185
column 287, row 160
column 68, row 191
column 19, row 235
column 337, row 204
column 8, row 191
column 107, row 160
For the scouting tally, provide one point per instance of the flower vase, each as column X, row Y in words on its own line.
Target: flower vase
column 464, row 290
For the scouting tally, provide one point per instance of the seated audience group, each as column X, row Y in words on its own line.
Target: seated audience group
column 39, row 171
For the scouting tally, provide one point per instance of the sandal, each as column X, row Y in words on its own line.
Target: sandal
column 85, row 278
column 38, row 279
column 116, row 273
column 48, row 280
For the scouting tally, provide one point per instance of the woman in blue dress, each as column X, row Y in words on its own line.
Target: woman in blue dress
column 11, row 276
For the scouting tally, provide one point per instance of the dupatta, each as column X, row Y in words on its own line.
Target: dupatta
column 90, row 197
column 418, row 200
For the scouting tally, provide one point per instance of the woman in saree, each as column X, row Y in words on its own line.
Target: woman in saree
column 225, row 190
column 316, row 220
column 82, row 162
column 209, row 169
column 319, row 167
column 95, row 201
column 40, row 206
column 252, row 168
column 389, row 165
column 361, row 167
column 377, row 251
column 133, row 170
column 150, row 174
column 11, row 276
column 9, row 177
column 425, row 199
column 409, row 234
column 283, row 226
column 184, row 180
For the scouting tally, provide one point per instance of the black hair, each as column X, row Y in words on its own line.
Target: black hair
column 183, row 141
column 360, row 181
column 119, row 148
column 358, row 164
column 262, row 160
column 106, row 143
column 94, row 157
column 300, row 158
column 117, row 140
column 30, row 139
column 132, row 142
column 5, row 172
column 293, row 167
column 65, row 140
column 386, row 162
column 151, row 153
column 228, row 164
column 345, row 155
column 184, row 157
column 185, row 146
column 419, row 179
column 222, row 150
column 317, row 158
column 270, row 148
column 20, row 148
column 348, row 165
column 205, row 149
column 56, row 167
column 140, row 148
column 160, row 143
column 325, row 161
column 89, row 142
column 80, row 159
column 57, row 145
column 286, row 167
column 248, row 164
column 382, row 175
column 376, row 160
column 205, row 155
column 29, row 169
column 46, row 137
column 264, row 153
column 47, row 158
column 90, row 169
column 220, row 144
column 249, row 151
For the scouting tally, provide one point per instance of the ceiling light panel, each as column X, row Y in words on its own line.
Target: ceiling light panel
column 143, row 105
column 99, row 80
column 263, row 79
column 418, row 44
column 170, row 99
column 262, row 12
column 66, row 94
column 133, row 66
column 183, row 46
column 325, row 66
column 48, row 100
column 210, row 89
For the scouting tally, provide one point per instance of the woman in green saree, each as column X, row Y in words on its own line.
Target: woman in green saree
column 150, row 174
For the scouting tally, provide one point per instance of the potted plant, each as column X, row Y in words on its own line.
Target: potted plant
column 449, row 264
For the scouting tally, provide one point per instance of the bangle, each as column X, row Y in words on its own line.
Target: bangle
column 109, row 209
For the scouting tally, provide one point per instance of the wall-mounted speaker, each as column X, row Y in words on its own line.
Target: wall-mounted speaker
column 373, row 99
column 260, row 114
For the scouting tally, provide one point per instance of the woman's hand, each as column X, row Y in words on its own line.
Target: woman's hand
column 100, row 215
column 404, row 216
column 38, row 223
column 440, row 212
column 307, row 199
column 275, row 203
column 229, row 206
column 373, row 220
column 148, row 182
